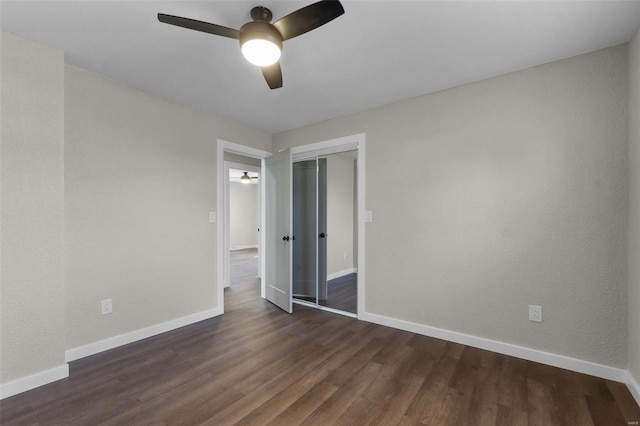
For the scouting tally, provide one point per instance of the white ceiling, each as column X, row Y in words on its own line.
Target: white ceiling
column 375, row 54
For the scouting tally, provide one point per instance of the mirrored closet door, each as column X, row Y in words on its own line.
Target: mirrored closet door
column 324, row 269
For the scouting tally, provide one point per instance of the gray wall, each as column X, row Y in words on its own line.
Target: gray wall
column 340, row 205
column 244, row 216
column 140, row 179
column 499, row 194
column 32, row 290
column 105, row 194
column 634, row 207
column 228, row 156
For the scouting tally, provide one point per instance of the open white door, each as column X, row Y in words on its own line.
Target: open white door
column 278, row 238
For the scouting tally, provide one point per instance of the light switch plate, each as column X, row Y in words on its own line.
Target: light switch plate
column 212, row 217
column 106, row 306
column 368, row 216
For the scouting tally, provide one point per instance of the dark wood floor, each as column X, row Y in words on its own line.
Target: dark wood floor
column 259, row 365
column 342, row 294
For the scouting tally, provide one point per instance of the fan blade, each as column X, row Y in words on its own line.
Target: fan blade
column 205, row 27
column 308, row 18
column 273, row 75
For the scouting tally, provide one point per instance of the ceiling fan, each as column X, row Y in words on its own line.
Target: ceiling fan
column 260, row 40
column 245, row 178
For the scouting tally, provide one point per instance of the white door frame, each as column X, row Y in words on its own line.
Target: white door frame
column 326, row 147
column 227, row 226
column 234, row 148
column 333, row 146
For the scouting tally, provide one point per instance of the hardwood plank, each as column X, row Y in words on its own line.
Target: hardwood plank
column 407, row 421
column 361, row 412
column 433, row 390
column 513, row 384
column 449, row 409
column 344, row 372
column 542, row 408
column 397, row 340
column 331, row 410
column 396, row 406
column 604, row 412
column 342, row 293
column 241, row 408
column 483, row 408
column 428, row 352
column 281, row 401
column 466, row 371
column 297, row 412
column 508, row 416
column 571, row 405
column 628, row 406
column 390, row 379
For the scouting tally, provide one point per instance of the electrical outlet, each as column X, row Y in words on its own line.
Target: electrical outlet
column 107, row 306
column 345, row 256
column 535, row 313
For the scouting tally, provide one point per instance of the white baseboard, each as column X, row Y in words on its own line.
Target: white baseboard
column 134, row 336
column 633, row 386
column 561, row 361
column 234, row 248
column 33, row 381
column 341, row 273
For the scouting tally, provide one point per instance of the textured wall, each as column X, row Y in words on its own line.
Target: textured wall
column 140, row 179
column 31, row 270
column 634, row 207
column 499, row 194
column 243, row 214
column 235, row 158
column 339, row 213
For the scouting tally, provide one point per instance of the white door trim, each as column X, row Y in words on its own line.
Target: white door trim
column 234, row 148
column 333, row 146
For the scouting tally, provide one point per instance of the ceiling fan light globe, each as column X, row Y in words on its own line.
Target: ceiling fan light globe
column 245, row 178
column 261, row 43
column 261, row 52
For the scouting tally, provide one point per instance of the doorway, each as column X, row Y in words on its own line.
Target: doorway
column 324, row 259
column 243, row 156
column 242, row 204
column 277, row 235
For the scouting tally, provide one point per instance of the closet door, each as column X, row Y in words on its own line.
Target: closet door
column 323, row 232
column 305, row 201
column 278, row 235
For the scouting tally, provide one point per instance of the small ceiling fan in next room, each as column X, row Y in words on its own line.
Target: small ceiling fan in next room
column 245, row 178
column 260, row 40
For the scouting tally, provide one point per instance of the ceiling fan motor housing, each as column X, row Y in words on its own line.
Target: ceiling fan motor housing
column 261, row 13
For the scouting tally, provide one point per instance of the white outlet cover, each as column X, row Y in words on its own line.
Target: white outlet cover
column 368, row 216
column 106, row 306
column 535, row 313
column 212, row 217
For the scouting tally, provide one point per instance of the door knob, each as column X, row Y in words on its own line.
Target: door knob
column 285, row 238
column 322, row 235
